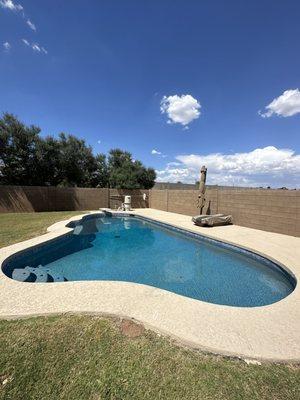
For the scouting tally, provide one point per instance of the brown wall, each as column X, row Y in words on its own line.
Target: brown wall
column 116, row 198
column 270, row 210
column 183, row 201
column 40, row 198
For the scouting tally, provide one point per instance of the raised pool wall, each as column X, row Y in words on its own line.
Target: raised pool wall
column 265, row 209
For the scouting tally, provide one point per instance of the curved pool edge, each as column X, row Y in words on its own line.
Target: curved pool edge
column 201, row 235
column 229, row 246
column 269, row 333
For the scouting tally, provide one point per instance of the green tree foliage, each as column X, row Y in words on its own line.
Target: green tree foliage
column 77, row 163
column 100, row 176
column 18, row 156
column 48, row 167
column 28, row 159
column 124, row 172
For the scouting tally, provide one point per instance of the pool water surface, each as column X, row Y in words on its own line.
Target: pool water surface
column 133, row 249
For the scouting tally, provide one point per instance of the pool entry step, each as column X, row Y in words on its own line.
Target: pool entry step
column 39, row 274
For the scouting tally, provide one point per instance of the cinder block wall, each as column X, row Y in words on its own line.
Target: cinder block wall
column 270, row 210
column 265, row 209
column 41, row 198
column 116, row 198
column 183, row 201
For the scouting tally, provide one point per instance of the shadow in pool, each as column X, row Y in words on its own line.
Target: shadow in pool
column 45, row 254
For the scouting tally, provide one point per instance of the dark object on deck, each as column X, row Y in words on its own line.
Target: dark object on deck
column 212, row 220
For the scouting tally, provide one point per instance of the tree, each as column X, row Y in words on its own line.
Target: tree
column 28, row 159
column 77, row 162
column 18, row 160
column 100, row 177
column 49, row 162
column 146, row 177
column 126, row 173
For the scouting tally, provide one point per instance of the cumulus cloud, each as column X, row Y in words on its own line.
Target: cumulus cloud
column 260, row 167
column 31, row 25
column 180, row 109
column 155, row 152
column 6, row 46
column 286, row 105
column 10, row 5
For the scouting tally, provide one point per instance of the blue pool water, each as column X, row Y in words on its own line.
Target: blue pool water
column 135, row 250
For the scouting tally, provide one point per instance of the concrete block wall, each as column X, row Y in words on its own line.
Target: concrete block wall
column 41, row 198
column 182, row 201
column 270, row 210
column 264, row 209
column 116, row 198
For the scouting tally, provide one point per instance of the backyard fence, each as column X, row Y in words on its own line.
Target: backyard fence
column 41, row 198
column 265, row 209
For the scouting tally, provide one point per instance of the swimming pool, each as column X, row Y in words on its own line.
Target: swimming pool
column 137, row 250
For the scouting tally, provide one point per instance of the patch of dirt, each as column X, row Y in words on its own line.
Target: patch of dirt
column 131, row 329
column 5, row 379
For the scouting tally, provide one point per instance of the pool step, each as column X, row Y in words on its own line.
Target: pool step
column 53, row 277
column 77, row 230
column 20, row 275
column 105, row 222
column 38, row 274
column 41, row 276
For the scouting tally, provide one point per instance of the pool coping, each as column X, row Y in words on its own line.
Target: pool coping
column 267, row 333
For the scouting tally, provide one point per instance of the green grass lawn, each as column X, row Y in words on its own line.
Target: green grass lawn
column 15, row 227
column 84, row 357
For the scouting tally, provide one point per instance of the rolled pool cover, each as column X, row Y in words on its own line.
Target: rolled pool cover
column 212, row 220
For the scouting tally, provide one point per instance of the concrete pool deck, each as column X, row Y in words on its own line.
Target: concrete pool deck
column 270, row 333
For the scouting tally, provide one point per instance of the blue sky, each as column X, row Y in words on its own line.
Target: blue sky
column 184, row 78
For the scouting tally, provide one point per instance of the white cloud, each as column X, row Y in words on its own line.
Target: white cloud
column 171, row 174
column 286, row 105
column 99, row 141
column 35, row 47
column 26, row 42
column 180, row 109
column 6, row 46
column 31, row 25
column 158, row 153
column 155, row 152
column 260, row 167
column 9, row 4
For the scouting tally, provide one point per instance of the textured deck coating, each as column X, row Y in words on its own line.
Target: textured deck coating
column 268, row 333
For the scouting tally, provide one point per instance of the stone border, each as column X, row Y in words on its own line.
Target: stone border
column 269, row 333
